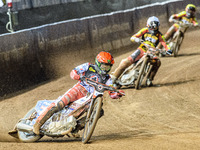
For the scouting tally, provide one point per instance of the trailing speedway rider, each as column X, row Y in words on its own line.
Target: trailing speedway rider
column 150, row 35
column 187, row 16
column 98, row 72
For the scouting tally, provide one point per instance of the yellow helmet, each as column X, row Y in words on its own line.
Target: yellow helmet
column 190, row 10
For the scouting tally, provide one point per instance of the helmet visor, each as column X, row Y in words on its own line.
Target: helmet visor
column 192, row 9
column 191, row 12
column 106, row 67
column 154, row 25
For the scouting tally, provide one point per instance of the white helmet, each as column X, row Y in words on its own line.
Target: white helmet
column 153, row 24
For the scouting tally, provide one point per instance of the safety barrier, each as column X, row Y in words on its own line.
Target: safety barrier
column 28, row 57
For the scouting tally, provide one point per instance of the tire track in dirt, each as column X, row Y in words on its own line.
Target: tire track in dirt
column 159, row 117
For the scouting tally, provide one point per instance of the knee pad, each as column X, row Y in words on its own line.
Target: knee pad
column 124, row 64
column 60, row 105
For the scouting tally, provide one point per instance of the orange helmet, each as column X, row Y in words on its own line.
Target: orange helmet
column 190, row 10
column 104, row 61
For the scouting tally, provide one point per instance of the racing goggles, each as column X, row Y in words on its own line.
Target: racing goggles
column 191, row 13
column 106, row 67
column 154, row 25
column 192, row 9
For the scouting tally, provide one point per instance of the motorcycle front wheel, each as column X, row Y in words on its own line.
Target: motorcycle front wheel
column 93, row 115
column 141, row 74
column 177, row 45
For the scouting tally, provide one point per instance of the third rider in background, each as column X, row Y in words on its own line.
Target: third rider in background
column 187, row 16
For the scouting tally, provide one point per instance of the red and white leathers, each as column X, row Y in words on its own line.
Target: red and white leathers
column 78, row 91
column 82, row 88
column 149, row 38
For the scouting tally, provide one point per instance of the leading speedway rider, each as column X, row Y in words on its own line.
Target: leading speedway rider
column 98, row 72
column 150, row 35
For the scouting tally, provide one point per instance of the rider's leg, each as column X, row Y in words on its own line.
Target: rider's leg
column 71, row 95
column 50, row 110
column 120, row 69
column 170, row 32
column 168, row 35
column 126, row 63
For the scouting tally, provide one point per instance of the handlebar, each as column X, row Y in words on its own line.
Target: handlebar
column 182, row 24
column 152, row 49
column 100, row 87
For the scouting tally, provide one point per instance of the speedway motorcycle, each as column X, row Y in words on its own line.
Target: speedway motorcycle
column 65, row 122
column 177, row 39
column 137, row 74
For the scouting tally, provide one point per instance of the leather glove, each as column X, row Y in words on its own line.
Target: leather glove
column 138, row 40
column 115, row 95
column 122, row 93
column 74, row 75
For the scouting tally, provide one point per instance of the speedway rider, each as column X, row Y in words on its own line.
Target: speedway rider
column 187, row 16
column 150, row 35
column 98, row 72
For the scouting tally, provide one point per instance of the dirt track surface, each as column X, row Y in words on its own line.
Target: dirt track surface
column 163, row 117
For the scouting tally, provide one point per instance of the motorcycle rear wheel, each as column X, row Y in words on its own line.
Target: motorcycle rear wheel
column 28, row 137
column 91, row 119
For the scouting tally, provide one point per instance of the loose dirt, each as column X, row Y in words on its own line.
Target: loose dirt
column 163, row 117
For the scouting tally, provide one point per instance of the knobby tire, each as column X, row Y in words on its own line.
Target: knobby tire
column 141, row 74
column 178, row 42
column 91, row 119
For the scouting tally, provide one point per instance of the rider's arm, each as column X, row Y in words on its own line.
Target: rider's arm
column 177, row 16
column 135, row 37
column 163, row 42
column 74, row 75
column 79, row 71
column 114, row 95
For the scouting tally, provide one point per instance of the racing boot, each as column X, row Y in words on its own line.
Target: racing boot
column 50, row 110
column 80, row 126
column 149, row 82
